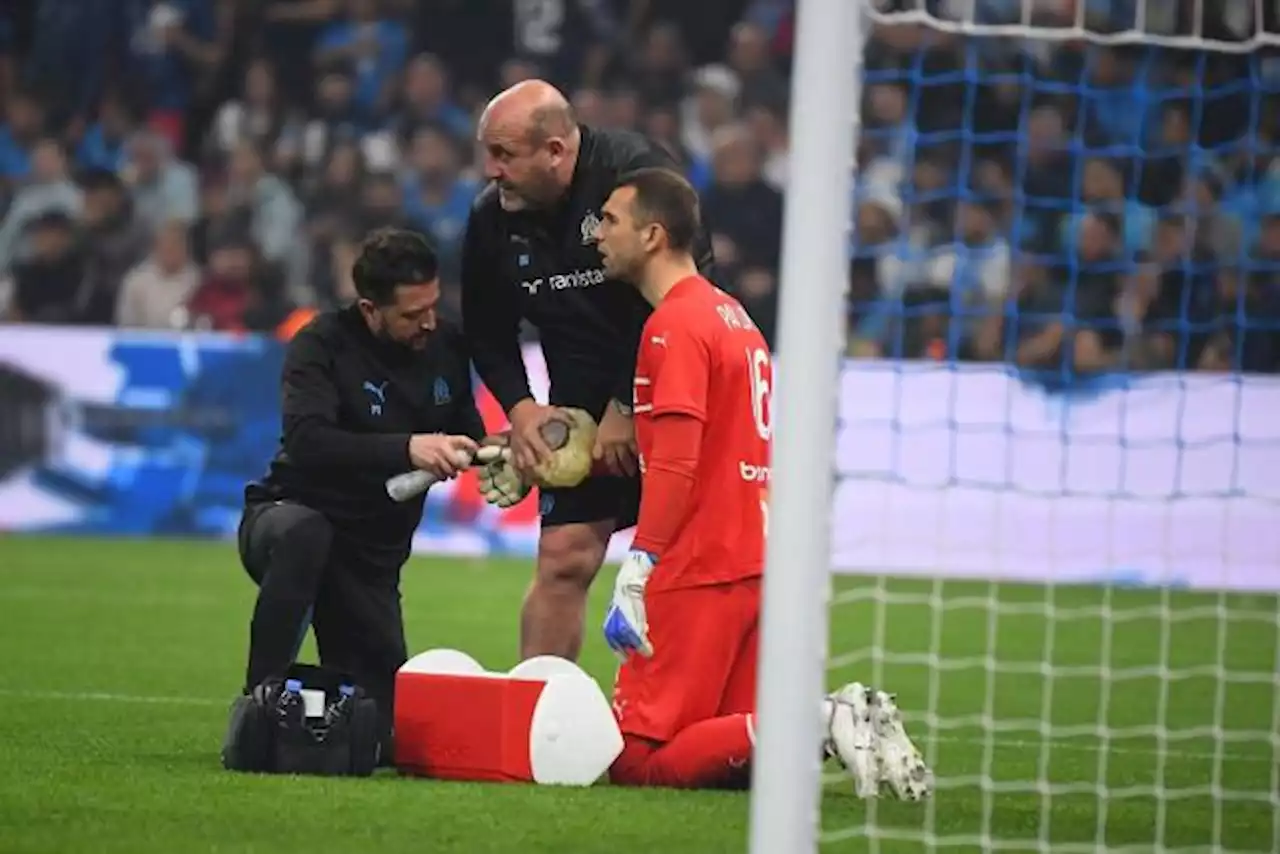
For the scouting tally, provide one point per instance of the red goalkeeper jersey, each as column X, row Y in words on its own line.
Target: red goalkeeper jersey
column 703, row 358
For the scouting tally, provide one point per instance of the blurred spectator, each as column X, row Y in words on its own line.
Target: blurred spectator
column 238, row 292
column 590, row 105
column 381, row 203
column 103, row 144
column 329, row 196
column 1031, row 331
column 155, row 293
column 1245, row 323
column 258, row 114
column 164, row 188
column 275, row 214
column 437, row 196
column 1125, row 324
column 623, row 108
column 769, row 125
column 745, row 217
column 175, row 47
column 1103, row 188
column 711, row 106
column 50, row 189
column 1048, row 170
column 751, row 60
column 662, row 65
column 47, row 284
column 1116, row 103
column 334, row 120
column 373, row 45
column 287, row 31
column 1218, row 230
column 116, row 240
column 23, row 126
column 73, row 44
column 220, row 220
column 426, row 101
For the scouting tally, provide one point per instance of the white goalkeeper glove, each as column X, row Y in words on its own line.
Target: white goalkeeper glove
column 626, row 628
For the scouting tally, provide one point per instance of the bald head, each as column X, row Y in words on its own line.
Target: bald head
column 531, row 108
column 531, row 139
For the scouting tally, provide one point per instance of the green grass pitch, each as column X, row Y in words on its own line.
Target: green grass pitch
column 120, row 658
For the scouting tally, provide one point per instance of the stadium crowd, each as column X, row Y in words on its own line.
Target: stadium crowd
column 1057, row 203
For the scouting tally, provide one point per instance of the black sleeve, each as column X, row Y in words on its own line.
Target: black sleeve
column 491, row 317
column 466, row 419
column 467, row 416
column 648, row 156
column 311, row 435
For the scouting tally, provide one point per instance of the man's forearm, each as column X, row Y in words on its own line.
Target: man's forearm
column 506, row 380
column 494, row 344
column 1040, row 346
column 666, row 496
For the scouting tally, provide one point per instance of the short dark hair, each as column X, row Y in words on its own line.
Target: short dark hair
column 664, row 197
column 389, row 258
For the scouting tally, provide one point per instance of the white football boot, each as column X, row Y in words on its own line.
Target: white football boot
column 851, row 736
column 902, row 766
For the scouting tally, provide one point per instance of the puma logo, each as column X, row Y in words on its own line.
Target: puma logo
column 379, row 393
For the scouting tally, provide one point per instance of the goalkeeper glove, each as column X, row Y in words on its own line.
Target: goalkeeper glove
column 500, row 483
column 626, row 628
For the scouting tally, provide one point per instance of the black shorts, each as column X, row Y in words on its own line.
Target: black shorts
column 356, row 616
column 593, row 500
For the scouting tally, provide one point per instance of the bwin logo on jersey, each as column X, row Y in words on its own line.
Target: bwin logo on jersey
column 441, row 392
column 379, row 394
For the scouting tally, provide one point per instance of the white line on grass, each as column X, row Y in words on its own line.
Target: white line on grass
column 103, row 697
column 1261, row 756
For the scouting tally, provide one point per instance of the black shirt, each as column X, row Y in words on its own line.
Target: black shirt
column 350, row 403
column 544, row 267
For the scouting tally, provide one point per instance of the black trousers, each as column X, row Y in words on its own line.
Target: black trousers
column 308, row 576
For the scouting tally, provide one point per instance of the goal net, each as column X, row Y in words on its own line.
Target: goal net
column 1057, row 511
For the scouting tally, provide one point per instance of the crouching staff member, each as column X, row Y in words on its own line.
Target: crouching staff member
column 369, row 391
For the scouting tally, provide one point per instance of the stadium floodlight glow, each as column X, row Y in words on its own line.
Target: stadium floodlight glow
column 1060, row 712
column 824, row 93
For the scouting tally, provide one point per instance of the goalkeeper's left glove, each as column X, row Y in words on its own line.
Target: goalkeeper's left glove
column 626, row 628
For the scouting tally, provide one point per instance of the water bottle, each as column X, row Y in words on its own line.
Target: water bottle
column 290, row 705
column 338, row 708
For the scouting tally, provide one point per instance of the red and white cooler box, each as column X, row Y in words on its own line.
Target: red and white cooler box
column 544, row 721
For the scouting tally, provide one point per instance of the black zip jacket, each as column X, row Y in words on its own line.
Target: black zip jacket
column 350, row 403
column 543, row 267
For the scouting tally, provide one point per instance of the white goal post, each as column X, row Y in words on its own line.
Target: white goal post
column 1081, row 775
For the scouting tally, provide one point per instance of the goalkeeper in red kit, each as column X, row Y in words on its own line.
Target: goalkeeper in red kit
column 686, row 604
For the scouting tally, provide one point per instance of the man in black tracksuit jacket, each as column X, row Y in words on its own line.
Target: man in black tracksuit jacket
column 530, row 255
column 369, row 391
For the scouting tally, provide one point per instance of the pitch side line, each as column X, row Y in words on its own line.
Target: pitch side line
column 1262, row 756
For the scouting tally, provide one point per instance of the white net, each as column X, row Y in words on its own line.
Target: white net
column 1059, row 466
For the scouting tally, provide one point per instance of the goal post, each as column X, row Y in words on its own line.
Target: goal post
column 1066, row 569
column 810, row 334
